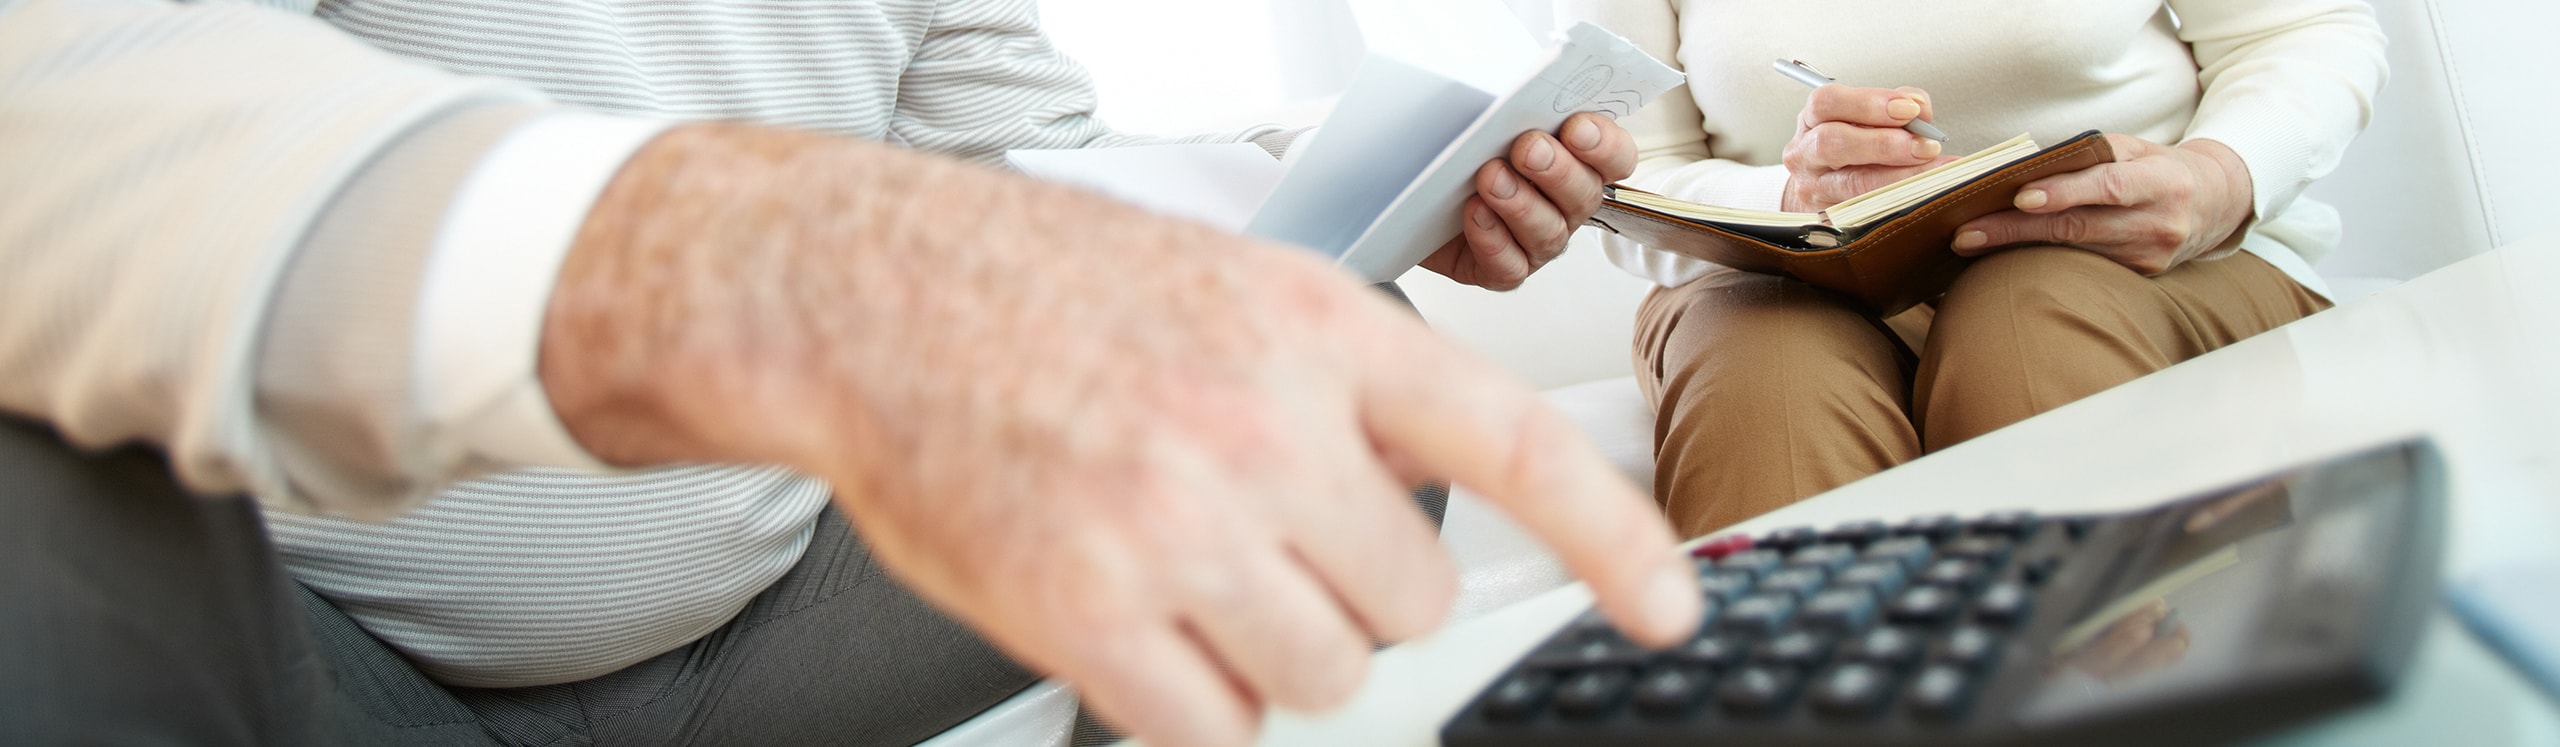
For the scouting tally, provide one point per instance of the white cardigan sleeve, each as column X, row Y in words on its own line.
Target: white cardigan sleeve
column 160, row 167
column 2287, row 84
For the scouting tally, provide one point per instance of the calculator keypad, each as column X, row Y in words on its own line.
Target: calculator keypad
column 1853, row 623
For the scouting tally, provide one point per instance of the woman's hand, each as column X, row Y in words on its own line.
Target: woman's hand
column 1850, row 140
column 1526, row 206
column 2153, row 209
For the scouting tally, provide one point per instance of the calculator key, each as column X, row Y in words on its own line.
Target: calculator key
column 1887, row 646
column 1590, row 622
column 1725, row 586
column 1919, row 605
column 1759, row 614
column 1969, row 647
column 1712, row 651
column 1591, row 693
column 1753, row 562
column 1990, row 551
column 1716, row 548
column 1884, row 577
column 1954, row 573
column 1840, row 611
column 1852, row 691
column 1606, row 650
column 2004, row 603
column 1801, row 649
column 1940, row 693
column 1909, row 552
column 1798, row 582
column 2040, row 570
column 1828, row 556
column 1670, row 692
column 1787, row 540
column 1931, row 528
column 1857, row 533
column 1518, row 697
column 2014, row 524
column 1757, row 690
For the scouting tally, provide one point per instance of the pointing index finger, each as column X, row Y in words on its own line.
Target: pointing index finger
column 1449, row 414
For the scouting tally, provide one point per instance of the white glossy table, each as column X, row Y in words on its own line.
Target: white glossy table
column 2469, row 355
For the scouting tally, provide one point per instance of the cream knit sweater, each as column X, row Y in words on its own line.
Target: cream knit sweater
column 2285, row 83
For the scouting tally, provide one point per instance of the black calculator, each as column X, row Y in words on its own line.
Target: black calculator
column 2202, row 621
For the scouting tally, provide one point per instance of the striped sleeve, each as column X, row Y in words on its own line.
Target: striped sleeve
column 159, row 165
column 985, row 80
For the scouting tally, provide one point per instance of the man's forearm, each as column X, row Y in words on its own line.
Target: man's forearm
column 727, row 265
column 1127, row 450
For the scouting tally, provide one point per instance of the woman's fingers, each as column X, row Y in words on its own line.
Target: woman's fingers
column 1831, row 146
column 1870, row 107
column 1570, row 187
column 1491, row 259
column 2125, row 184
column 1824, row 189
column 1599, row 142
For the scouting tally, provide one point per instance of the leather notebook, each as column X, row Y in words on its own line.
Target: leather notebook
column 1887, row 249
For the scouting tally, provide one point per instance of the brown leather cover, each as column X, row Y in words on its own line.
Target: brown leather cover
column 1895, row 265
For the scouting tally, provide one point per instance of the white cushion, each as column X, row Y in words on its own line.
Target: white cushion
column 1043, row 716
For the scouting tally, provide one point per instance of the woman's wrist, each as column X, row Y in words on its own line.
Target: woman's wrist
column 2233, row 207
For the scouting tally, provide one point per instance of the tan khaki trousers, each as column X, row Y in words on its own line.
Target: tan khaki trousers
column 1768, row 390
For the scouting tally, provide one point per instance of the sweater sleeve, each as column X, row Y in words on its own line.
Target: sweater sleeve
column 1673, row 155
column 164, row 171
column 2287, row 85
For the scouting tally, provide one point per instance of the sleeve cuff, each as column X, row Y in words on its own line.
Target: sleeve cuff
column 488, row 285
column 2279, row 153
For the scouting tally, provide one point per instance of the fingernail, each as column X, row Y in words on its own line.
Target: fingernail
column 2030, row 199
column 1582, row 134
column 1483, row 216
column 1671, row 598
column 1971, row 240
column 1902, row 109
column 1926, row 148
column 1541, row 155
column 1504, row 186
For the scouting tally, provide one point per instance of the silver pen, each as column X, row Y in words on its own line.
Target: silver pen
column 1803, row 73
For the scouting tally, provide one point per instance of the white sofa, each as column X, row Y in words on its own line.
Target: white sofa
column 2454, row 163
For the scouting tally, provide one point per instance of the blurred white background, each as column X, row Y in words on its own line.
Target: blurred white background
column 1170, row 67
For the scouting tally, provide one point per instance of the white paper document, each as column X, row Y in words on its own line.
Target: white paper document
column 1219, row 184
column 1381, row 185
column 1378, row 187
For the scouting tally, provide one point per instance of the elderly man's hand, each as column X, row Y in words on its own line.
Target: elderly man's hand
column 1525, row 207
column 1164, row 463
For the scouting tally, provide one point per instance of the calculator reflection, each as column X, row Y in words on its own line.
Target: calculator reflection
column 2188, row 611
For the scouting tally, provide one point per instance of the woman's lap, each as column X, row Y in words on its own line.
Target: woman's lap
column 1768, row 390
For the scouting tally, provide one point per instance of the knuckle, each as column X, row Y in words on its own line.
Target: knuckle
column 2071, row 226
column 1796, row 157
column 2116, row 186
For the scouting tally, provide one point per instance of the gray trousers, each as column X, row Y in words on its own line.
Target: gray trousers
column 133, row 613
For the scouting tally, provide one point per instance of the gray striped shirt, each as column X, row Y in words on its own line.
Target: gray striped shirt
column 514, row 579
